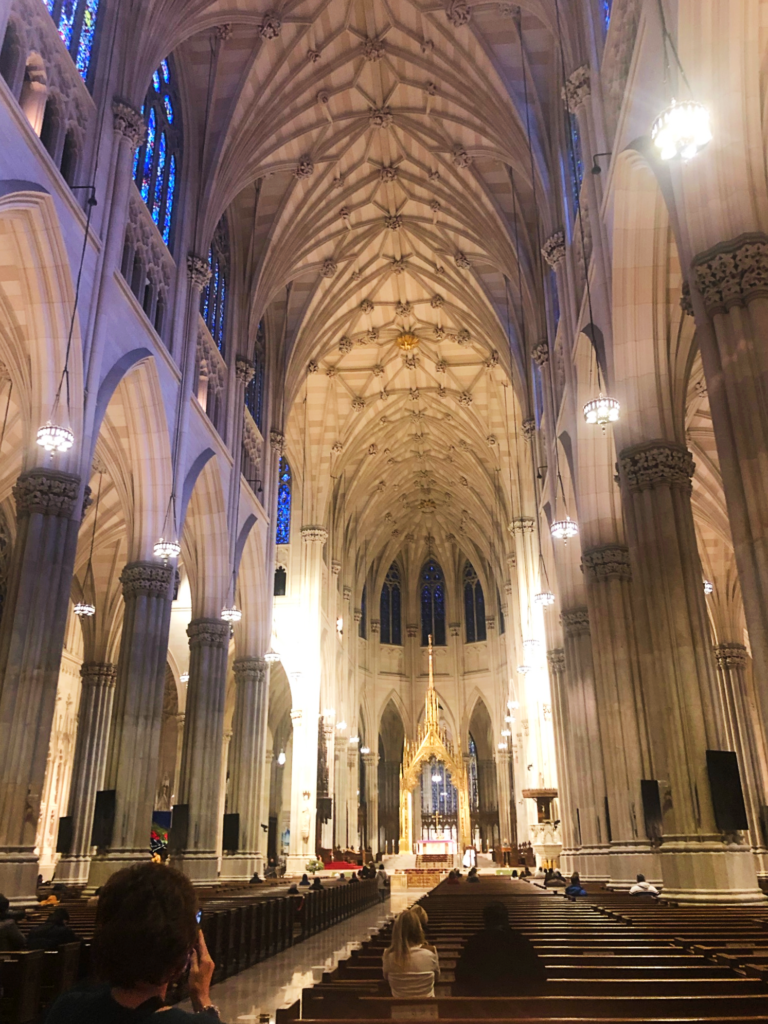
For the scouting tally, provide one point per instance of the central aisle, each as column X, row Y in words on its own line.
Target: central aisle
column 278, row 981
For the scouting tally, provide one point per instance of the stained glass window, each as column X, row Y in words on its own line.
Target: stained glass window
column 391, row 632
column 362, row 627
column 254, row 392
column 575, row 161
column 432, row 604
column 76, row 22
column 213, row 303
column 156, row 164
column 474, row 605
column 474, row 789
column 502, row 621
column 283, row 534
column 607, row 5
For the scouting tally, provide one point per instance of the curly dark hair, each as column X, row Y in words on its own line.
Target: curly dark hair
column 145, row 926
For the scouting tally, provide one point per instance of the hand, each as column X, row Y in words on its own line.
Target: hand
column 200, row 973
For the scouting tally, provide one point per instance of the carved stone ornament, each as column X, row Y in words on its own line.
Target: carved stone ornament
column 244, row 370
column 250, row 670
column 312, row 367
column 556, row 660
column 540, row 353
column 388, row 174
column 463, row 337
column 656, row 464
column 224, row 32
column 373, row 49
column 553, row 249
column 346, row 592
column 461, row 261
column 345, row 344
column 465, row 399
column 730, row 656
column 380, row 117
column 461, row 158
column 335, row 567
column 733, row 273
column 314, row 534
column 529, row 429
column 329, row 268
column 522, row 524
column 129, row 123
column 372, row 334
column 331, row 371
column 304, row 168
column 398, row 266
column 358, row 403
column 313, row 56
column 458, row 13
column 198, row 271
column 277, row 441
column 208, row 633
column 375, row 625
column 366, row 306
column 610, row 562
column 146, row 579
column 338, row 447
column 403, row 309
column 323, row 97
column 373, row 449
column 393, row 223
column 94, row 673
column 46, row 492
column 575, row 622
column 411, row 630
column 686, row 305
column 270, row 27
column 576, row 90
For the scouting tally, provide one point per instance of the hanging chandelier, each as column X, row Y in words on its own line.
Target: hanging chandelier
column 564, row 529
column 281, row 758
column 271, row 656
column 184, row 677
column 365, row 750
column 84, row 610
column 513, row 705
column 682, row 130
column 544, row 599
column 602, row 411
column 524, row 669
column 354, row 740
column 531, row 646
column 231, row 614
column 502, row 746
column 167, row 549
column 708, row 587
column 437, row 778
column 55, row 438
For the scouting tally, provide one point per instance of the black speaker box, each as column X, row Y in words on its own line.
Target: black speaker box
column 104, row 818
column 725, row 787
column 649, row 790
column 231, row 838
column 177, row 837
column 64, row 838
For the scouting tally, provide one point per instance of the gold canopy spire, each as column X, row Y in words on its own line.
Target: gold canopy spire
column 432, row 711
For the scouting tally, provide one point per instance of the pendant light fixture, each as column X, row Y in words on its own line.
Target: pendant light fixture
column 544, row 599
column 55, row 436
column 602, row 411
column 86, row 609
column 683, row 128
column 231, row 613
column 271, row 657
column 564, row 529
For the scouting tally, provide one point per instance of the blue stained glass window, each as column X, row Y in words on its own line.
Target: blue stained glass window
column 607, row 5
column 432, row 604
column 156, row 167
column 254, row 392
column 391, row 631
column 283, row 533
column 213, row 304
column 76, row 22
column 474, row 605
column 575, row 161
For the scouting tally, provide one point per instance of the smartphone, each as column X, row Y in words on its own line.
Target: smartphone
column 199, row 916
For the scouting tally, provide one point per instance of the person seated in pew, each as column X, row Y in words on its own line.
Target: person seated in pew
column 498, row 961
column 554, row 881
column 304, row 880
column 11, row 937
column 316, row 885
column 454, row 877
column 146, row 937
column 473, row 875
column 293, row 890
column 52, row 933
column 575, row 889
column 353, row 877
column 643, row 888
column 423, row 917
column 255, row 880
column 409, row 965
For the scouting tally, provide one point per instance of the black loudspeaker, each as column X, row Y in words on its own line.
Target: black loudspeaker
column 764, row 822
column 103, row 818
column 177, row 837
column 231, row 839
column 64, row 838
column 325, row 808
column 725, row 787
column 649, row 789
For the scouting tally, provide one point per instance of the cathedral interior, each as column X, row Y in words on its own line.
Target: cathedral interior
column 384, row 445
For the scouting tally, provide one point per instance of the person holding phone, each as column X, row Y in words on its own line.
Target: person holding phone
column 147, row 936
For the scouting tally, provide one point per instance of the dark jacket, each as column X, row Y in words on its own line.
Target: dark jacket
column 575, row 890
column 96, row 1006
column 498, row 962
column 50, row 936
column 11, row 938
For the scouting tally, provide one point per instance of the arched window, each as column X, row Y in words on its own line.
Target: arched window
column 76, row 22
column 474, row 791
column 432, row 604
column 474, row 605
column 283, row 534
column 156, row 164
column 575, row 160
column 607, row 5
column 254, row 392
column 213, row 303
column 391, row 632
column 362, row 626
column 502, row 621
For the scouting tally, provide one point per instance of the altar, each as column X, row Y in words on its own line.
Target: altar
column 443, row 848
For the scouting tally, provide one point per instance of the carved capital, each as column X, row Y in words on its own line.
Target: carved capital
column 730, row 656
column 375, row 625
column 346, row 592
column 556, row 660
column 250, row 670
column 490, row 623
column 244, row 370
column 46, row 492
column 540, row 353
column 454, row 628
column 147, row 579
column 277, row 441
column 224, row 32
column 458, row 12
column 610, row 562
column 129, row 123
column 522, row 524
column 553, row 249
column 529, row 429
column 98, row 673
column 732, row 273
column 314, row 534
column 208, row 633
column 656, row 464
column 335, row 567
column 296, row 716
column 370, row 760
column 198, row 271
column 575, row 622
column 577, row 89
column 412, row 630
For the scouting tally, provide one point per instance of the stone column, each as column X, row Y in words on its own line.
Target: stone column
column 266, row 811
column 505, row 797
column 567, row 760
column 90, row 764
column 680, row 687
column 200, row 777
column 137, row 717
column 31, row 640
column 620, row 710
column 745, row 737
column 581, row 731
column 731, row 307
column 353, row 795
column 246, row 774
column 372, row 799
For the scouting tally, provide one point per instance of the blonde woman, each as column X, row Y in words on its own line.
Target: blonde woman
column 410, row 967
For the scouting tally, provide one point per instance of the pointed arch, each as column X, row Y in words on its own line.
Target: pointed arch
column 474, row 605
column 432, row 600
column 390, row 607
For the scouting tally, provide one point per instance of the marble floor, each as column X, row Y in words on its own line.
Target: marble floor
column 279, row 980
